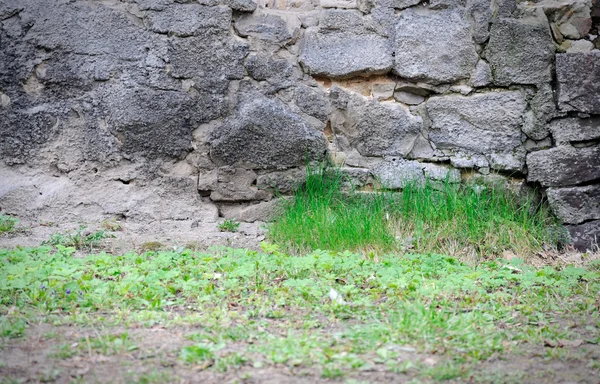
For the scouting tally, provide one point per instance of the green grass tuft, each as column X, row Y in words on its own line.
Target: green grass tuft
column 8, row 224
column 459, row 219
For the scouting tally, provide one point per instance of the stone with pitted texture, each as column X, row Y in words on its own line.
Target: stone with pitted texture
column 578, row 86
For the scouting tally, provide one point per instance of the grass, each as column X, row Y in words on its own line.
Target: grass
column 480, row 221
column 81, row 239
column 269, row 309
column 228, row 225
column 8, row 224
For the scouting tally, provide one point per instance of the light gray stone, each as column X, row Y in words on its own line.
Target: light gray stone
column 342, row 54
column 397, row 173
column 575, row 205
column 241, row 5
column 408, row 98
column 250, row 213
column 189, row 19
column 543, row 109
column 481, row 75
column 520, row 51
column 578, row 86
column 268, row 27
column 376, row 129
column 383, row 91
column 481, row 14
column 573, row 129
column 580, row 46
column 423, row 36
column 397, row 4
column 481, row 124
column 441, row 173
column 564, row 165
column 313, row 102
column 282, row 181
column 262, row 67
column 264, row 133
column 229, row 184
column 464, row 160
column 503, row 8
column 586, row 236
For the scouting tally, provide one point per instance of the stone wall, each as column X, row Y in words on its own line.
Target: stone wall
column 186, row 110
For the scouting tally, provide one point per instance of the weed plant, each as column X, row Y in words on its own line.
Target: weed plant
column 459, row 219
column 81, row 239
column 8, row 224
column 229, row 225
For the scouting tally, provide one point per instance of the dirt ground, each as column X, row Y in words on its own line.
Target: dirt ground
column 156, row 357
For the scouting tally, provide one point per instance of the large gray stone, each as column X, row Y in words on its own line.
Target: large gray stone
column 586, row 236
column 575, row 205
column 543, row 109
column 264, row 133
column 397, row 173
column 229, row 184
column 268, row 27
column 578, row 84
column 434, row 46
column 343, row 54
column 488, row 123
column 574, row 129
column 376, row 129
column 520, row 51
column 313, row 102
column 564, row 165
column 189, row 19
column 262, row 67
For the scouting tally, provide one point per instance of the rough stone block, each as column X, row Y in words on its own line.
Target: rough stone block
column 575, row 205
column 189, row 19
column 342, row 54
column 264, row 133
column 376, row 129
column 586, row 236
column 434, row 45
column 267, row 27
column 564, row 165
column 578, row 84
column 520, row 51
column 574, row 129
column 480, row 124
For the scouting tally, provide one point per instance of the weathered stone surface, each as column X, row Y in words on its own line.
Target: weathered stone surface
column 580, row 46
column 241, row 5
column 408, row 98
column 481, row 13
column 543, row 109
column 344, row 54
column 229, row 184
column 313, row 102
column 262, row 211
column 397, row 4
column 481, row 124
column 267, row 27
column 586, row 236
column 397, row 173
column 564, row 165
column 482, row 75
column 572, row 18
column 262, row 67
column 520, row 51
column 578, row 85
column 266, row 134
column 375, row 129
column 574, row 129
column 423, row 36
column 383, row 91
column 576, row 204
column 282, row 181
column 189, row 19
